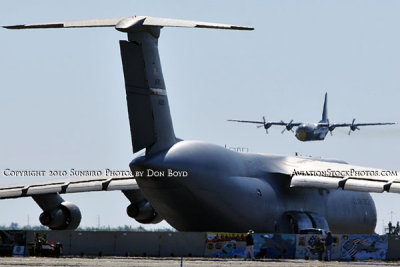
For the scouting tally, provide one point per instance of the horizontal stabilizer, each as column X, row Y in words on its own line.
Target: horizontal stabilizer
column 164, row 22
column 69, row 24
column 127, row 23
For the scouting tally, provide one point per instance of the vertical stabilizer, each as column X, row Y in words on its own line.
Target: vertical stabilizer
column 149, row 114
column 325, row 110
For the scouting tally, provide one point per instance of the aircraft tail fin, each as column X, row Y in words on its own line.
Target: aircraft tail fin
column 149, row 113
column 325, row 110
column 146, row 95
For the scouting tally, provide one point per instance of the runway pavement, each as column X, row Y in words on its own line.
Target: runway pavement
column 190, row 262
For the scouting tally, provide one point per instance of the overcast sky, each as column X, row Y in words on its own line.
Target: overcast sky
column 63, row 98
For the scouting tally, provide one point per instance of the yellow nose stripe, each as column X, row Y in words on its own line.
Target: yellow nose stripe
column 301, row 135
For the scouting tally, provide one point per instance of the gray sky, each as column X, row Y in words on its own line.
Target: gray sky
column 63, row 99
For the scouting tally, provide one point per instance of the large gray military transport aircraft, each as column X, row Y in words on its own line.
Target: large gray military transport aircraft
column 207, row 187
column 314, row 131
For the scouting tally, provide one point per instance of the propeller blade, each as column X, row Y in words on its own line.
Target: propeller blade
column 289, row 126
column 284, row 129
column 350, row 132
column 265, row 123
column 331, row 133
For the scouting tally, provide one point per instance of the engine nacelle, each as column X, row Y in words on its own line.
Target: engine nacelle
column 66, row 216
column 144, row 213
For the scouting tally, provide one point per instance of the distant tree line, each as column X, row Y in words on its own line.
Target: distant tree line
column 126, row 228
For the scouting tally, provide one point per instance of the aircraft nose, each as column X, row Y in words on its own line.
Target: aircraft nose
column 301, row 134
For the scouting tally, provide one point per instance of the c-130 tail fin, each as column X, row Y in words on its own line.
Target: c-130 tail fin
column 149, row 114
column 325, row 109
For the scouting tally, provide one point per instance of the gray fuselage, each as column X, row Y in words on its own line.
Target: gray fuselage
column 230, row 191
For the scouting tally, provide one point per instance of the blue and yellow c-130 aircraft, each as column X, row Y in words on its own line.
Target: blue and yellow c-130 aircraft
column 314, row 131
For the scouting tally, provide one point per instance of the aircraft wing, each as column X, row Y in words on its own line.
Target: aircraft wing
column 256, row 122
column 101, row 183
column 270, row 122
column 333, row 175
column 374, row 123
column 261, row 122
column 361, row 124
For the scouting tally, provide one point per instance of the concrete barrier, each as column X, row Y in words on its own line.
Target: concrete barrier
column 107, row 243
column 305, row 247
column 393, row 251
column 197, row 244
column 137, row 244
column 182, row 244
